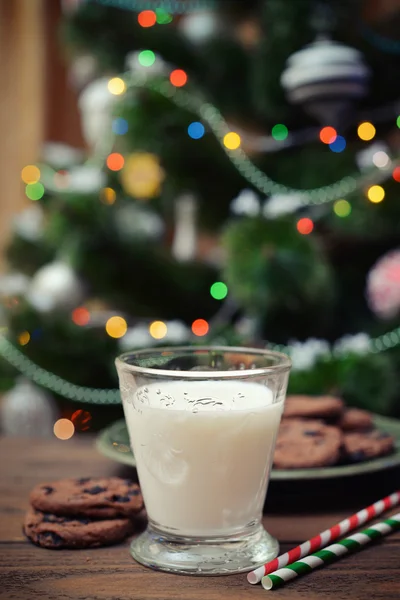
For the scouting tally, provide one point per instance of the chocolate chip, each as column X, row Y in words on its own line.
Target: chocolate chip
column 134, row 492
column 82, row 520
column 312, row 433
column 50, row 536
column 357, row 456
column 128, row 482
column 117, row 498
column 48, row 489
column 49, row 518
column 83, row 480
column 97, row 489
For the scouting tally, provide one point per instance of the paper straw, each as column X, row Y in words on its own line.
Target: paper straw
column 322, row 539
column 333, row 552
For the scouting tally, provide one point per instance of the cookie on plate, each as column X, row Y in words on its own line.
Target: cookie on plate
column 103, row 498
column 360, row 446
column 55, row 532
column 313, row 407
column 355, row 419
column 306, row 444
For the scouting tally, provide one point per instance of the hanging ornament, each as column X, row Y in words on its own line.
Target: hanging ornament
column 326, row 77
column 383, row 286
column 247, row 203
column 55, row 287
column 184, row 244
column 138, row 223
column 13, row 284
column 27, row 410
column 142, row 175
column 95, row 105
column 374, row 155
column 199, row 27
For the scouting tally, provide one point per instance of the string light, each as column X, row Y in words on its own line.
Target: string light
column 30, row 174
column 178, row 78
column 376, row 194
column 158, row 330
column 34, row 191
column 380, row 159
column 81, row 419
column 80, row 316
column 219, row 290
column 23, row 338
column 147, row 18
column 116, row 86
column 64, row 429
column 115, row 161
column 146, row 58
column 396, row 174
column 163, row 17
column 338, row 145
column 366, row 131
column 279, row 132
column 200, row 327
column 120, row 126
column 108, row 195
column 398, row 121
column 196, row 130
column 305, row 226
column 327, row 135
column 232, row 140
column 116, row 327
column 342, row 208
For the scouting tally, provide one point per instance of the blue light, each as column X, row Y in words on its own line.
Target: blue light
column 120, row 126
column 196, row 130
column 338, row 145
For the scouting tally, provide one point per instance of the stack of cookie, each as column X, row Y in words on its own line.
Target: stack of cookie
column 82, row 513
column 320, row 431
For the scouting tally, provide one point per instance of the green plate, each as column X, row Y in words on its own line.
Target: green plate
column 113, row 442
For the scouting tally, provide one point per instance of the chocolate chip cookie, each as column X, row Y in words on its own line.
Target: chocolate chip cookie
column 104, row 498
column 355, row 419
column 362, row 446
column 313, row 407
column 55, row 532
column 306, row 444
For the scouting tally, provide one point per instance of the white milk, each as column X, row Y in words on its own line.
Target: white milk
column 203, row 452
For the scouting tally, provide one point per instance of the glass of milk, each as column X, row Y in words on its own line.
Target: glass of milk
column 202, row 423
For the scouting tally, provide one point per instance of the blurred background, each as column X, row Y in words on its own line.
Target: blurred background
column 190, row 172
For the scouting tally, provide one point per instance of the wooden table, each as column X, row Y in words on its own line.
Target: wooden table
column 29, row 572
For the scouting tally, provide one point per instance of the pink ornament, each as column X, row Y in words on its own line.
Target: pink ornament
column 383, row 286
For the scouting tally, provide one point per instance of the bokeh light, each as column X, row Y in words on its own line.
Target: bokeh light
column 80, row 316
column 24, row 338
column 163, row 17
column 219, row 290
column 34, row 191
column 158, row 330
column 120, row 126
column 396, row 174
column 64, row 429
column 178, row 78
column 279, row 132
column 366, row 131
column 398, row 121
column 116, row 327
column 327, row 135
column 342, row 208
column 116, row 86
column 196, row 130
column 30, row 174
column 146, row 58
column 200, row 327
column 108, row 195
column 380, row 159
column 305, row 226
column 232, row 140
column 147, row 18
column 115, row 161
column 376, row 194
column 338, row 145
column 81, row 419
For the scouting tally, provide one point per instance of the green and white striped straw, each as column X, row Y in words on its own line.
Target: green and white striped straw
column 330, row 553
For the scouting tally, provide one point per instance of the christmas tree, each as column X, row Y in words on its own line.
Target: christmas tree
column 240, row 187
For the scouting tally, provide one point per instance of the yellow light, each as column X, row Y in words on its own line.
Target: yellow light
column 64, row 429
column 116, row 86
column 376, row 194
column 232, row 140
column 30, row 174
column 108, row 195
column 116, row 327
column 366, row 131
column 158, row 330
column 24, row 338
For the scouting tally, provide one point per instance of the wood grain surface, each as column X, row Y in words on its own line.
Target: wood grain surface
column 28, row 572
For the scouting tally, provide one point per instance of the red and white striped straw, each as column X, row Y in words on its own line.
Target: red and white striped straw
column 322, row 539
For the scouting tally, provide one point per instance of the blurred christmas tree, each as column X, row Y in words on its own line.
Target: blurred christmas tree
column 241, row 186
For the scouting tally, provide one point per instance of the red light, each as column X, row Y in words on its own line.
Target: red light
column 178, row 78
column 147, row 18
column 81, row 316
column 81, row 419
column 396, row 174
column 327, row 135
column 200, row 327
column 305, row 226
column 115, row 161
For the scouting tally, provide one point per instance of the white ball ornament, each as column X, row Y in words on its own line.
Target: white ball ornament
column 55, row 287
column 199, row 27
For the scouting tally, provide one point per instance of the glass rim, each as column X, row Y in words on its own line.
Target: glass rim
column 283, row 363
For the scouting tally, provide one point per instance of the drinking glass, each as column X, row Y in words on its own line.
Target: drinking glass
column 202, row 423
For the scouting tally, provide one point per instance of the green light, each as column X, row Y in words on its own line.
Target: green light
column 398, row 121
column 342, row 208
column 147, row 58
column 279, row 132
column 163, row 18
column 219, row 290
column 34, row 191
